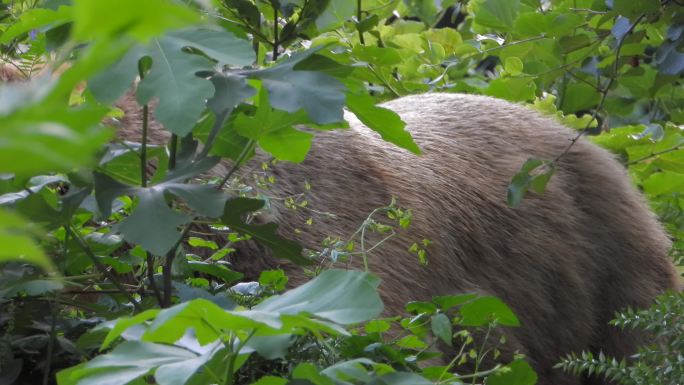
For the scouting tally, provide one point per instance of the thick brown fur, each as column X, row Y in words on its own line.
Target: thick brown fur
column 565, row 261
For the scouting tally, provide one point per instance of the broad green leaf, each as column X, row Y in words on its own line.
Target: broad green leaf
column 377, row 55
column 441, row 327
column 513, row 89
column 34, row 19
column 120, row 325
column 140, row 20
column 663, row 182
column 534, row 174
column 381, row 120
column 335, row 14
column 132, row 359
column 265, row 234
column 497, row 14
column 172, row 78
column 270, row 380
column 518, row 372
column 17, row 244
column 287, row 144
column 633, row 9
column 341, row 296
column 216, row 270
column 208, row 321
column 230, row 91
column 319, row 94
column 153, row 224
column 482, row 310
column 274, row 132
column 513, row 65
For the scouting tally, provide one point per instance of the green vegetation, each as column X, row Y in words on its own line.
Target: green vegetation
column 99, row 283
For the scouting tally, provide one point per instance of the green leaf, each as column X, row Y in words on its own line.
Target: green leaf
column 319, row 94
column 270, row 380
column 274, row 132
column 133, row 359
column 380, row 56
column 230, row 91
column 153, row 224
column 441, row 327
column 216, row 270
column 513, row 66
column 482, row 310
column 335, row 14
column 172, row 78
column 381, row 120
column 513, row 89
column 120, row 325
column 573, row 43
column 140, row 20
column 497, row 14
column 34, row 19
column 664, row 182
column 17, row 244
column 287, row 144
column 517, row 372
column 446, row 302
column 579, row 96
column 633, row 9
column 534, row 174
column 44, row 132
column 264, row 234
column 341, row 296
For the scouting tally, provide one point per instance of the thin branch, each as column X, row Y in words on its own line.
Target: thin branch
column 359, row 15
column 275, row 33
column 102, row 268
column 173, row 150
column 604, row 90
column 654, row 154
column 166, row 268
column 150, row 277
column 238, row 162
column 143, row 148
column 211, row 138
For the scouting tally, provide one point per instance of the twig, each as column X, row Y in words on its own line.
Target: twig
column 238, row 162
column 99, row 266
column 150, row 277
column 143, row 148
column 359, row 15
column 653, row 155
column 173, row 149
column 166, row 269
column 604, row 90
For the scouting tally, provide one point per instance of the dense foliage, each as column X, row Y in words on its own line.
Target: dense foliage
column 105, row 276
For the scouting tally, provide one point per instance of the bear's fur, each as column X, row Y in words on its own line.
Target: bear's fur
column 565, row 261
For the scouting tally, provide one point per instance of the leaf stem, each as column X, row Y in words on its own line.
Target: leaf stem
column 238, row 162
column 604, row 90
column 173, row 149
column 150, row 277
column 99, row 266
column 143, row 148
column 359, row 15
column 167, row 268
column 275, row 32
